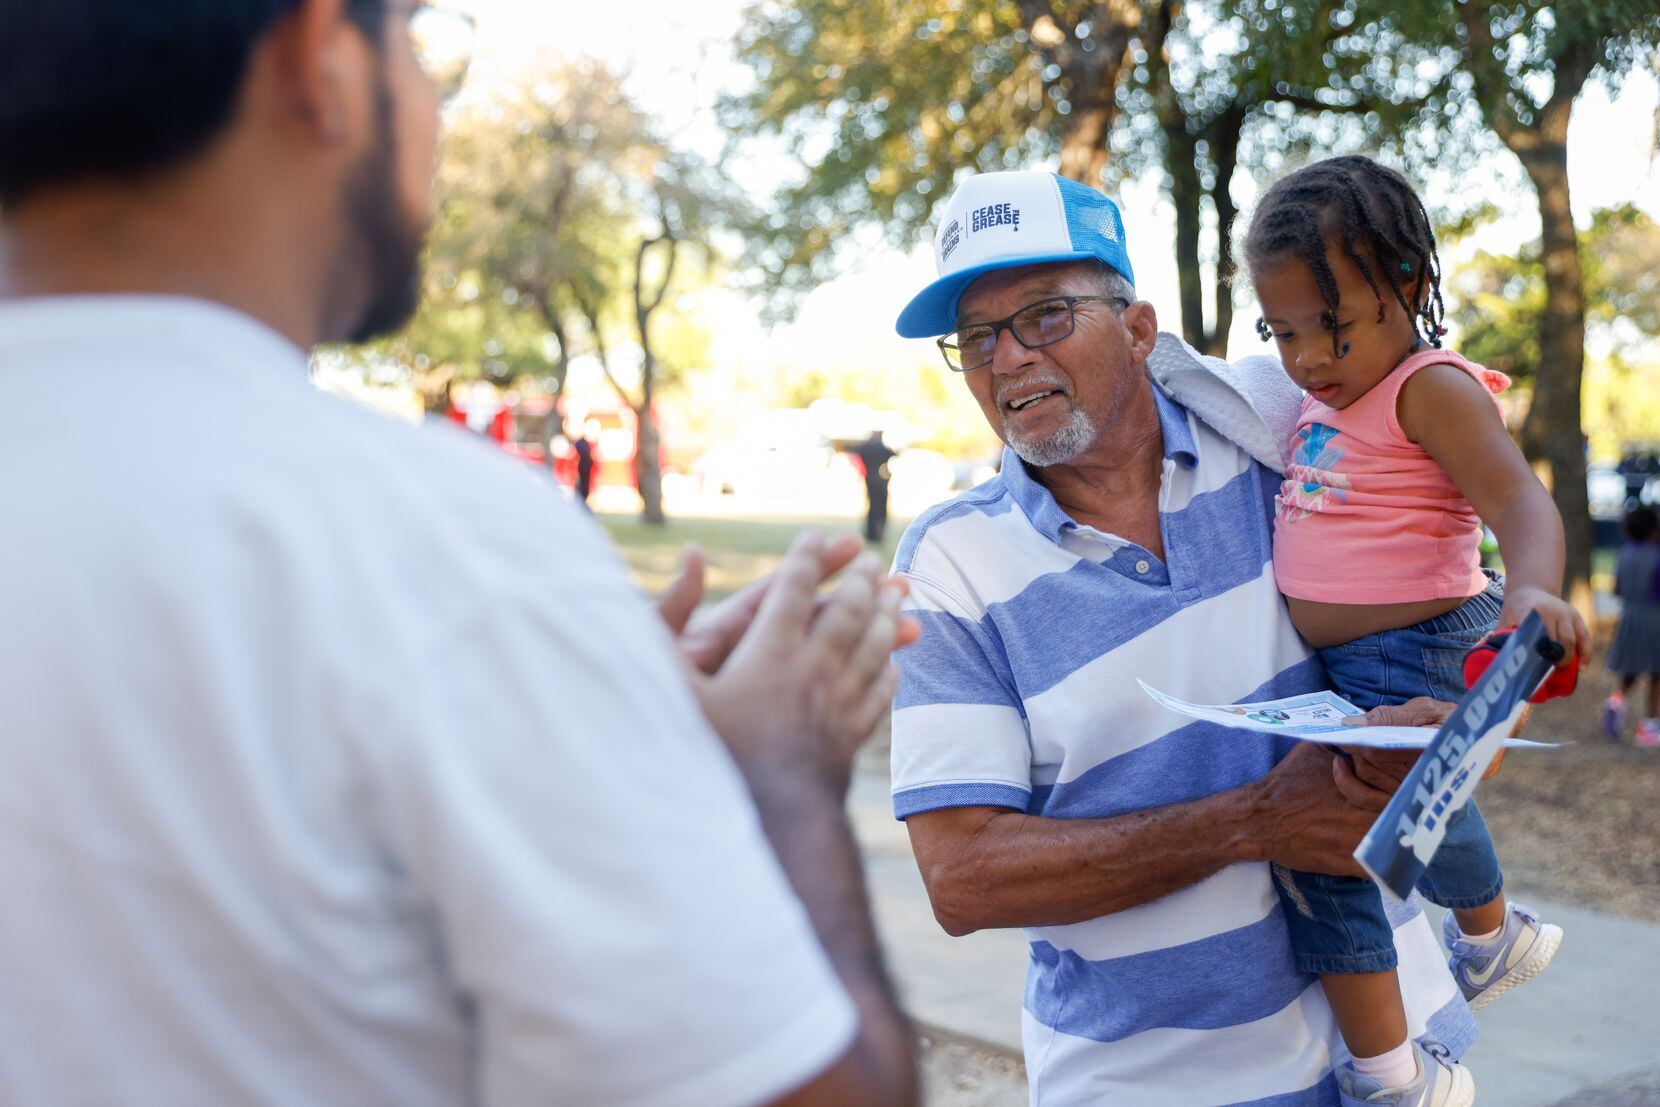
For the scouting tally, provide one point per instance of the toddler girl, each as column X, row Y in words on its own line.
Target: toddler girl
column 1398, row 456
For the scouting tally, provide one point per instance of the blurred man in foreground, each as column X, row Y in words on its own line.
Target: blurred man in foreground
column 320, row 787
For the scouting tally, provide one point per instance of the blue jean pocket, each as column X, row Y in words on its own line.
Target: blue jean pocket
column 1444, row 663
column 1359, row 671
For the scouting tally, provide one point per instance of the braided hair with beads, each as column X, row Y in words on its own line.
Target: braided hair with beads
column 1374, row 216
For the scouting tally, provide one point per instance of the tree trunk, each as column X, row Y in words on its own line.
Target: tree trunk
column 648, row 454
column 648, row 469
column 1552, row 432
column 648, row 449
column 561, row 369
column 561, row 366
column 1181, row 172
column 1224, row 151
column 1084, row 142
column 1186, row 193
column 1090, row 66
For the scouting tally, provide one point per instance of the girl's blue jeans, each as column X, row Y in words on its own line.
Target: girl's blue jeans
column 1337, row 923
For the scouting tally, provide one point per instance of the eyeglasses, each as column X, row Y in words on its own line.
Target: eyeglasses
column 444, row 41
column 1033, row 326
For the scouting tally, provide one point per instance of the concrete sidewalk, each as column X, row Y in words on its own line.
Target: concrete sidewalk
column 1586, row 1033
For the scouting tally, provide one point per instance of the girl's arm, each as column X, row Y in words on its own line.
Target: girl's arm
column 1450, row 414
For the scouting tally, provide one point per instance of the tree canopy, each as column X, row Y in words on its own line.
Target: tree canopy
column 884, row 103
column 567, row 226
column 1499, row 298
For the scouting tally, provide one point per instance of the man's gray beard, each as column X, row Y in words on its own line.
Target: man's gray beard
column 1059, row 447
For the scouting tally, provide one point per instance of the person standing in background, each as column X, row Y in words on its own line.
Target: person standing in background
column 874, row 455
column 584, row 450
column 1636, row 648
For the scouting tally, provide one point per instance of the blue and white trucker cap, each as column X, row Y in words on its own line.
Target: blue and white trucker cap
column 1001, row 220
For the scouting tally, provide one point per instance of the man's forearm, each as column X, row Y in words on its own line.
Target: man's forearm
column 989, row 869
column 808, row 828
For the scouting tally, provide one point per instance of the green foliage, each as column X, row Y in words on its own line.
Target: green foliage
column 1621, row 254
column 1499, row 299
column 1258, row 84
column 527, row 228
column 463, row 333
column 881, row 102
column 564, row 223
column 1513, row 53
column 884, row 102
column 1282, row 79
column 683, row 348
column 1622, row 402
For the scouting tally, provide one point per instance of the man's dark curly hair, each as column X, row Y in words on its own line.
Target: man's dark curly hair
column 116, row 89
column 1374, row 216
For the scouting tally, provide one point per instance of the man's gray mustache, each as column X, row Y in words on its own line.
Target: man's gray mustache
column 1026, row 386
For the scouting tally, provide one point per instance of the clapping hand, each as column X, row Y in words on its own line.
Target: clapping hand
column 790, row 679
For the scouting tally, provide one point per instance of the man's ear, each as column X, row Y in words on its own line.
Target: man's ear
column 319, row 55
column 1142, row 321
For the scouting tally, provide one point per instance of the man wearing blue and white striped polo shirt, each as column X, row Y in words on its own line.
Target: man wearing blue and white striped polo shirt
column 1125, row 537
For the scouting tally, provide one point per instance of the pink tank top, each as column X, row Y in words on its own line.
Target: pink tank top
column 1365, row 515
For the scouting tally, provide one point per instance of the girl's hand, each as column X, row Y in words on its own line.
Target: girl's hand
column 1562, row 622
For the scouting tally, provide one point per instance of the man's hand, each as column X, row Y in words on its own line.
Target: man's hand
column 1313, row 810
column 806, row 681
column 1382, row 765
column 1422, row 711
column 794, row 683
column 1382, row 770
column 707, row 637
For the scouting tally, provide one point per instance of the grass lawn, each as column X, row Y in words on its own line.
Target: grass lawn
column 738, row 549
column 1602, row 569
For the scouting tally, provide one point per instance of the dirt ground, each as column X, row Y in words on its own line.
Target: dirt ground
column 1580, row 824
column 957, row 1074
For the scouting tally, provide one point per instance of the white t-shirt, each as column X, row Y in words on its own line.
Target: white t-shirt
column 340, row 763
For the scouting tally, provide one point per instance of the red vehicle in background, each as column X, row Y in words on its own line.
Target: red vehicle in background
column 528, row 428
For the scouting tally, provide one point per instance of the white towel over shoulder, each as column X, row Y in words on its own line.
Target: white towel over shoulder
column 1251, row 401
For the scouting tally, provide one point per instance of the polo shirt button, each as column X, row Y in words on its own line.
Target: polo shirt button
column 1142, row 566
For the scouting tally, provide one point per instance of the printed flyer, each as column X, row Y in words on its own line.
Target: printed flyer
column 1312, row 717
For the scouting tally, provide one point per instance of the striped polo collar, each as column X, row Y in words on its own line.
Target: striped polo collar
column 1039, row 504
